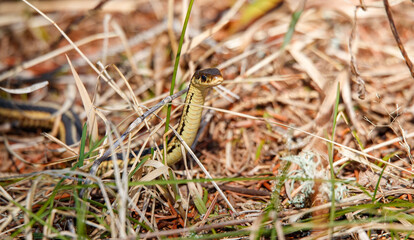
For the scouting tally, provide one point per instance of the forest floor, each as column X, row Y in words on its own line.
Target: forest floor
column 316, row 104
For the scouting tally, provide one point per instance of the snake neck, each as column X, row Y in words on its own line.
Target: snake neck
column 189, row 123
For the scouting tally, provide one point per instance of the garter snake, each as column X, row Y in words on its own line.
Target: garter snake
column 200, row 83
column 70, row 127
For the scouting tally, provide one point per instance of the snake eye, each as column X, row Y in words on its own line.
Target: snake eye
column 203, row 78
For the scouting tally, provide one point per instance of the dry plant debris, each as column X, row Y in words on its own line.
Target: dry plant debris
column 269, row 139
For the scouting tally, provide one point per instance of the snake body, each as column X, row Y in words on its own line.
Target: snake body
column 190, row 119
column 41, row 115
column 70, row 127
column 201, row 82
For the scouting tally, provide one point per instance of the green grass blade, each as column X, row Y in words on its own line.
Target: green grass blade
column 177, row 61
column 331, row 155
column 294, row 20
column 82, row 145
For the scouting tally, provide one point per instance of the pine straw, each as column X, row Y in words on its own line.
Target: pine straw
column 266, row 145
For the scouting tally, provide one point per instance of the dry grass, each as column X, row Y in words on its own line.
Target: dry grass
column 267, row 140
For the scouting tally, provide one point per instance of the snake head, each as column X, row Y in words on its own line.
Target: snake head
column 208, row 77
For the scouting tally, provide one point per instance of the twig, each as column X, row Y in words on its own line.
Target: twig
column 397, row 38
column 243, row 190
column 353, row 65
